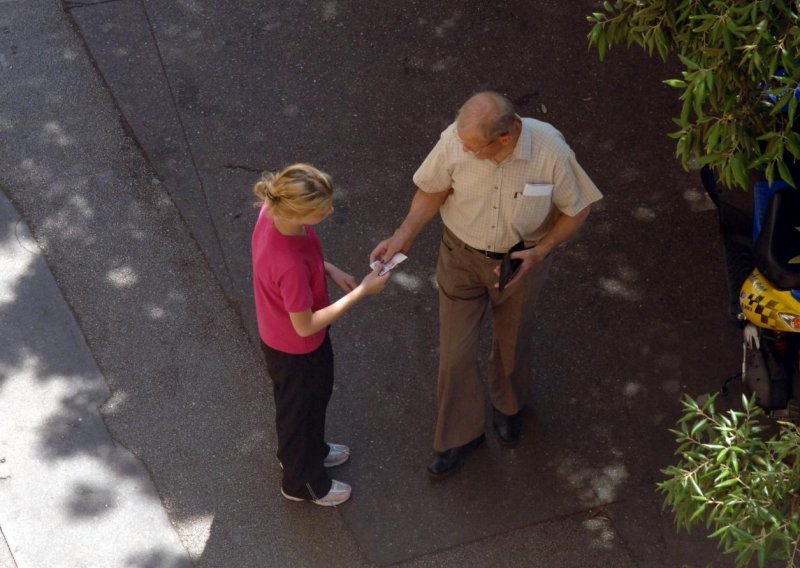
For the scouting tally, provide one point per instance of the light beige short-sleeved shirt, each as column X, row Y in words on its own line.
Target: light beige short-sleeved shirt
column 494, row 206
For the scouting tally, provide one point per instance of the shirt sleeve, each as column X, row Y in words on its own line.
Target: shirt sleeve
column 295, row 289
column 574, row 190
column 435, row 173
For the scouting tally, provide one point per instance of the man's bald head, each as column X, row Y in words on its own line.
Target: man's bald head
column 489, row 113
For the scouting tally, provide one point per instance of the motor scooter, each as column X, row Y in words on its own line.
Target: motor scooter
column 762, row 264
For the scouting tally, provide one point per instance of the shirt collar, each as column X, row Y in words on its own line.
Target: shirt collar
column 524, row 147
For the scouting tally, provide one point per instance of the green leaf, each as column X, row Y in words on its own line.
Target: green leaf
column 727, row 483
column 762, row 557
column 739, row 170
column 728, row 41
column 686, row 110
column 698, row 425
column 594, row 34
column 700, row 510
column 770, row 172
column 786, row 175
column 793, row 144
column 792, row 107
column 713, row 137
column 720, row 531
column 709, row 79
column 691, row 65
column 697, row 489
column 773, row 65
column 768, row 136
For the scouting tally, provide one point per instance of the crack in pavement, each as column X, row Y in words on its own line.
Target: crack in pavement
column 73, row 4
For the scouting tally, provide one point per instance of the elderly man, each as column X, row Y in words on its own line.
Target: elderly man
column 497, row 180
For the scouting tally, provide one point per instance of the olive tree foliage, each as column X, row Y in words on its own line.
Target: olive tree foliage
column 740, row 76
column 739, row 483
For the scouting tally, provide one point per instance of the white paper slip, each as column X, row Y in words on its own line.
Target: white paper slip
column 538, row 190
column 396, row 259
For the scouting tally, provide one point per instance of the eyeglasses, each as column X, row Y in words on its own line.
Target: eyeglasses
column 482, row 148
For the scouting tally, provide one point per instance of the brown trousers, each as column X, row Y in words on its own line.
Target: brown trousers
column 467, row 281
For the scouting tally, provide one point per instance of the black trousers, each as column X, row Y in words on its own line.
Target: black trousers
column 302, row 386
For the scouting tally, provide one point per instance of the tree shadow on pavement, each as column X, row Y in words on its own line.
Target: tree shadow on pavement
column 628, row 320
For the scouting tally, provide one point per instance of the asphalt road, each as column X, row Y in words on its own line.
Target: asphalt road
column 209, row 94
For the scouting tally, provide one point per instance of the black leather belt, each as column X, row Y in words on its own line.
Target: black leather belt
column 486, row 253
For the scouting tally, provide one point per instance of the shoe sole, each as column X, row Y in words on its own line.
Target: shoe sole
column 290, row 498
column 507, row 443
column 468, row 448
column 343, row 459
column 319, row 502
column 447, row 472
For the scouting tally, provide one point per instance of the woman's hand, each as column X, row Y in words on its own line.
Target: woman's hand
column 346, row 282
column 373, row 283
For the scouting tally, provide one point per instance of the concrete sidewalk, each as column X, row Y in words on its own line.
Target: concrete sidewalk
column 69, row 495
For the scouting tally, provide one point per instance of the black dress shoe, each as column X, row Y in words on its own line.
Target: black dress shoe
column 508, row 428
column 449, row 461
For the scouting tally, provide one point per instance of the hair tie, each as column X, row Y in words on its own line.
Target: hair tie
column 272, row 197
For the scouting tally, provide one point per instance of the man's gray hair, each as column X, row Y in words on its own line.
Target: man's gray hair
column 491, row 113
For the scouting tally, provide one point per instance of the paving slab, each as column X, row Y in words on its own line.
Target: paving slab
column 69, row 495
column 6, row 559
column 551, row 543
column 119, row 30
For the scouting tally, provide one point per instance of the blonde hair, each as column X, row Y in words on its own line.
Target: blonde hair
column 295, row 192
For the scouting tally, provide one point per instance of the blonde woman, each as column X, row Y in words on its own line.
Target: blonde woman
column 294, row 312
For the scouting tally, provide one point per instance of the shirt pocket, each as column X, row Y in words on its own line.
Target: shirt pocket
column 537, row 190
column 529, row 213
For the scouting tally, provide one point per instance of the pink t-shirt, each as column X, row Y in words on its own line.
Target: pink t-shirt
column 288, row 276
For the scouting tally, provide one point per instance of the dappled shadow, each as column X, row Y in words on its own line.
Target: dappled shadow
column 157, row 559
column 627, row 323
column 125, row 264
column 25, row 298
column 91, row 500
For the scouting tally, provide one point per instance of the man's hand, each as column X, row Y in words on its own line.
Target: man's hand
column 530, row 258
column 387, row 248
column 563, row 230
column 424, row 206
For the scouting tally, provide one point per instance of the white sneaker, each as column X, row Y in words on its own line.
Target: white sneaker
column 338, row 454
column 339, row 493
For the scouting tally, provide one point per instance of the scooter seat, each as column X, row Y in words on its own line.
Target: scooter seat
column 777, row 253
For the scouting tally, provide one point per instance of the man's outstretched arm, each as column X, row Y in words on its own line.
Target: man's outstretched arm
column 424, row 206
